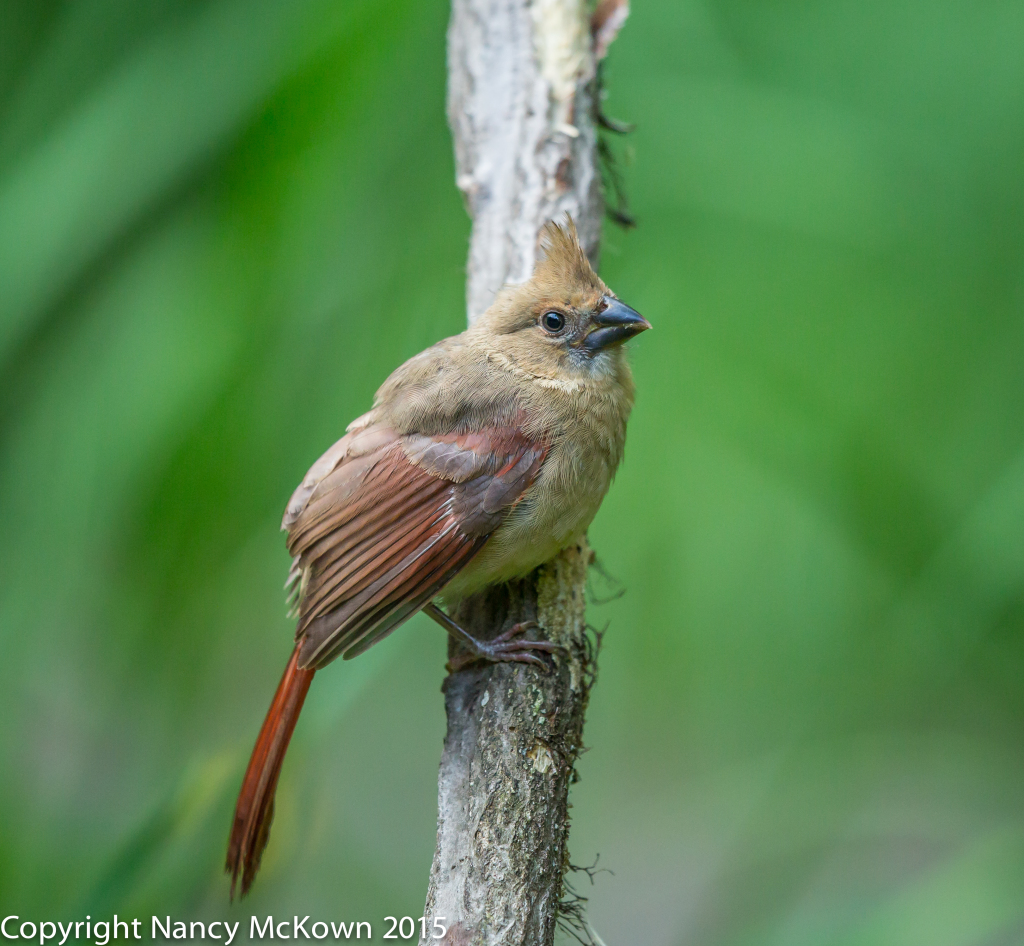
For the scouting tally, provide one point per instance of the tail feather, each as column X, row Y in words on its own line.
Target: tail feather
column 255, row 808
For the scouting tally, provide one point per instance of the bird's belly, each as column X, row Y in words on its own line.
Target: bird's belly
column 545, row 522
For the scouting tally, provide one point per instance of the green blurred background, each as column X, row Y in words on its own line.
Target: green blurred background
column 222, row 223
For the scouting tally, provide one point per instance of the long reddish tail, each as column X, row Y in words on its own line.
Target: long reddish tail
column 255, row 808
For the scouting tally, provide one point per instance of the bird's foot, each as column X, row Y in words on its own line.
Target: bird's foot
column 504, row 648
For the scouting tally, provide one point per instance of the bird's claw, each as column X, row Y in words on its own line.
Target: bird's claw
column 503, row 649
column 515, row 630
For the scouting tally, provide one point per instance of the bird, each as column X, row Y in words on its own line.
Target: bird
column 481, row 459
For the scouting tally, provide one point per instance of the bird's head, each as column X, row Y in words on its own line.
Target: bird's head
column 564, row 323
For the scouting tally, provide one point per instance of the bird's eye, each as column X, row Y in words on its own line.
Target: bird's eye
column 553, row 322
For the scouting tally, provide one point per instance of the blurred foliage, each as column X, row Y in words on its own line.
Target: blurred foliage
column 222, row 223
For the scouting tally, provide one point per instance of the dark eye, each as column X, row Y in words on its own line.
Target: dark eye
column 553, row 322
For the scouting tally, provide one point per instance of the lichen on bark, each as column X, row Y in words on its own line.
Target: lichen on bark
column 514, row 734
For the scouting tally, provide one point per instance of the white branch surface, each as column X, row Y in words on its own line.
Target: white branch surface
column 519, row 76
column 521, row 81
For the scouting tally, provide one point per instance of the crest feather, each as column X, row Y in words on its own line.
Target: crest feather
column 564, row 259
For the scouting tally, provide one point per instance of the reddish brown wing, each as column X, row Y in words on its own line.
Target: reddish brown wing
column 383, row 522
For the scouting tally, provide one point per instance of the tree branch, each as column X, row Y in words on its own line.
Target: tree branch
column 520, row 105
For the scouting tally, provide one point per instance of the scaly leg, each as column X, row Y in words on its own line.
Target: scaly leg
column 502, row 648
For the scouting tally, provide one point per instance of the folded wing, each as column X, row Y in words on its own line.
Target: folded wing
column 384, row 521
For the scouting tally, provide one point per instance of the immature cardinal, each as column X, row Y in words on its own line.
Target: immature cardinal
column 482, row 458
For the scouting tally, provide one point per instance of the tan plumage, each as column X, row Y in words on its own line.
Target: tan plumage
column 482, row 458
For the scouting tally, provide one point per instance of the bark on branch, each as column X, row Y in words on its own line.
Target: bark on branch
column 520, row 105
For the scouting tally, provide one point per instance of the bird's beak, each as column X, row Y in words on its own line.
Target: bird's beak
column 615, row 323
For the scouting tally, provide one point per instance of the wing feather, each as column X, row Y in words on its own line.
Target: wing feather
column 444, row 562
column 352, row 552
column 378, row 628
column 391, row 549
column 382, row 522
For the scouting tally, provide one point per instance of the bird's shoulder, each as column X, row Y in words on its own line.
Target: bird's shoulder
column 450, row 387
